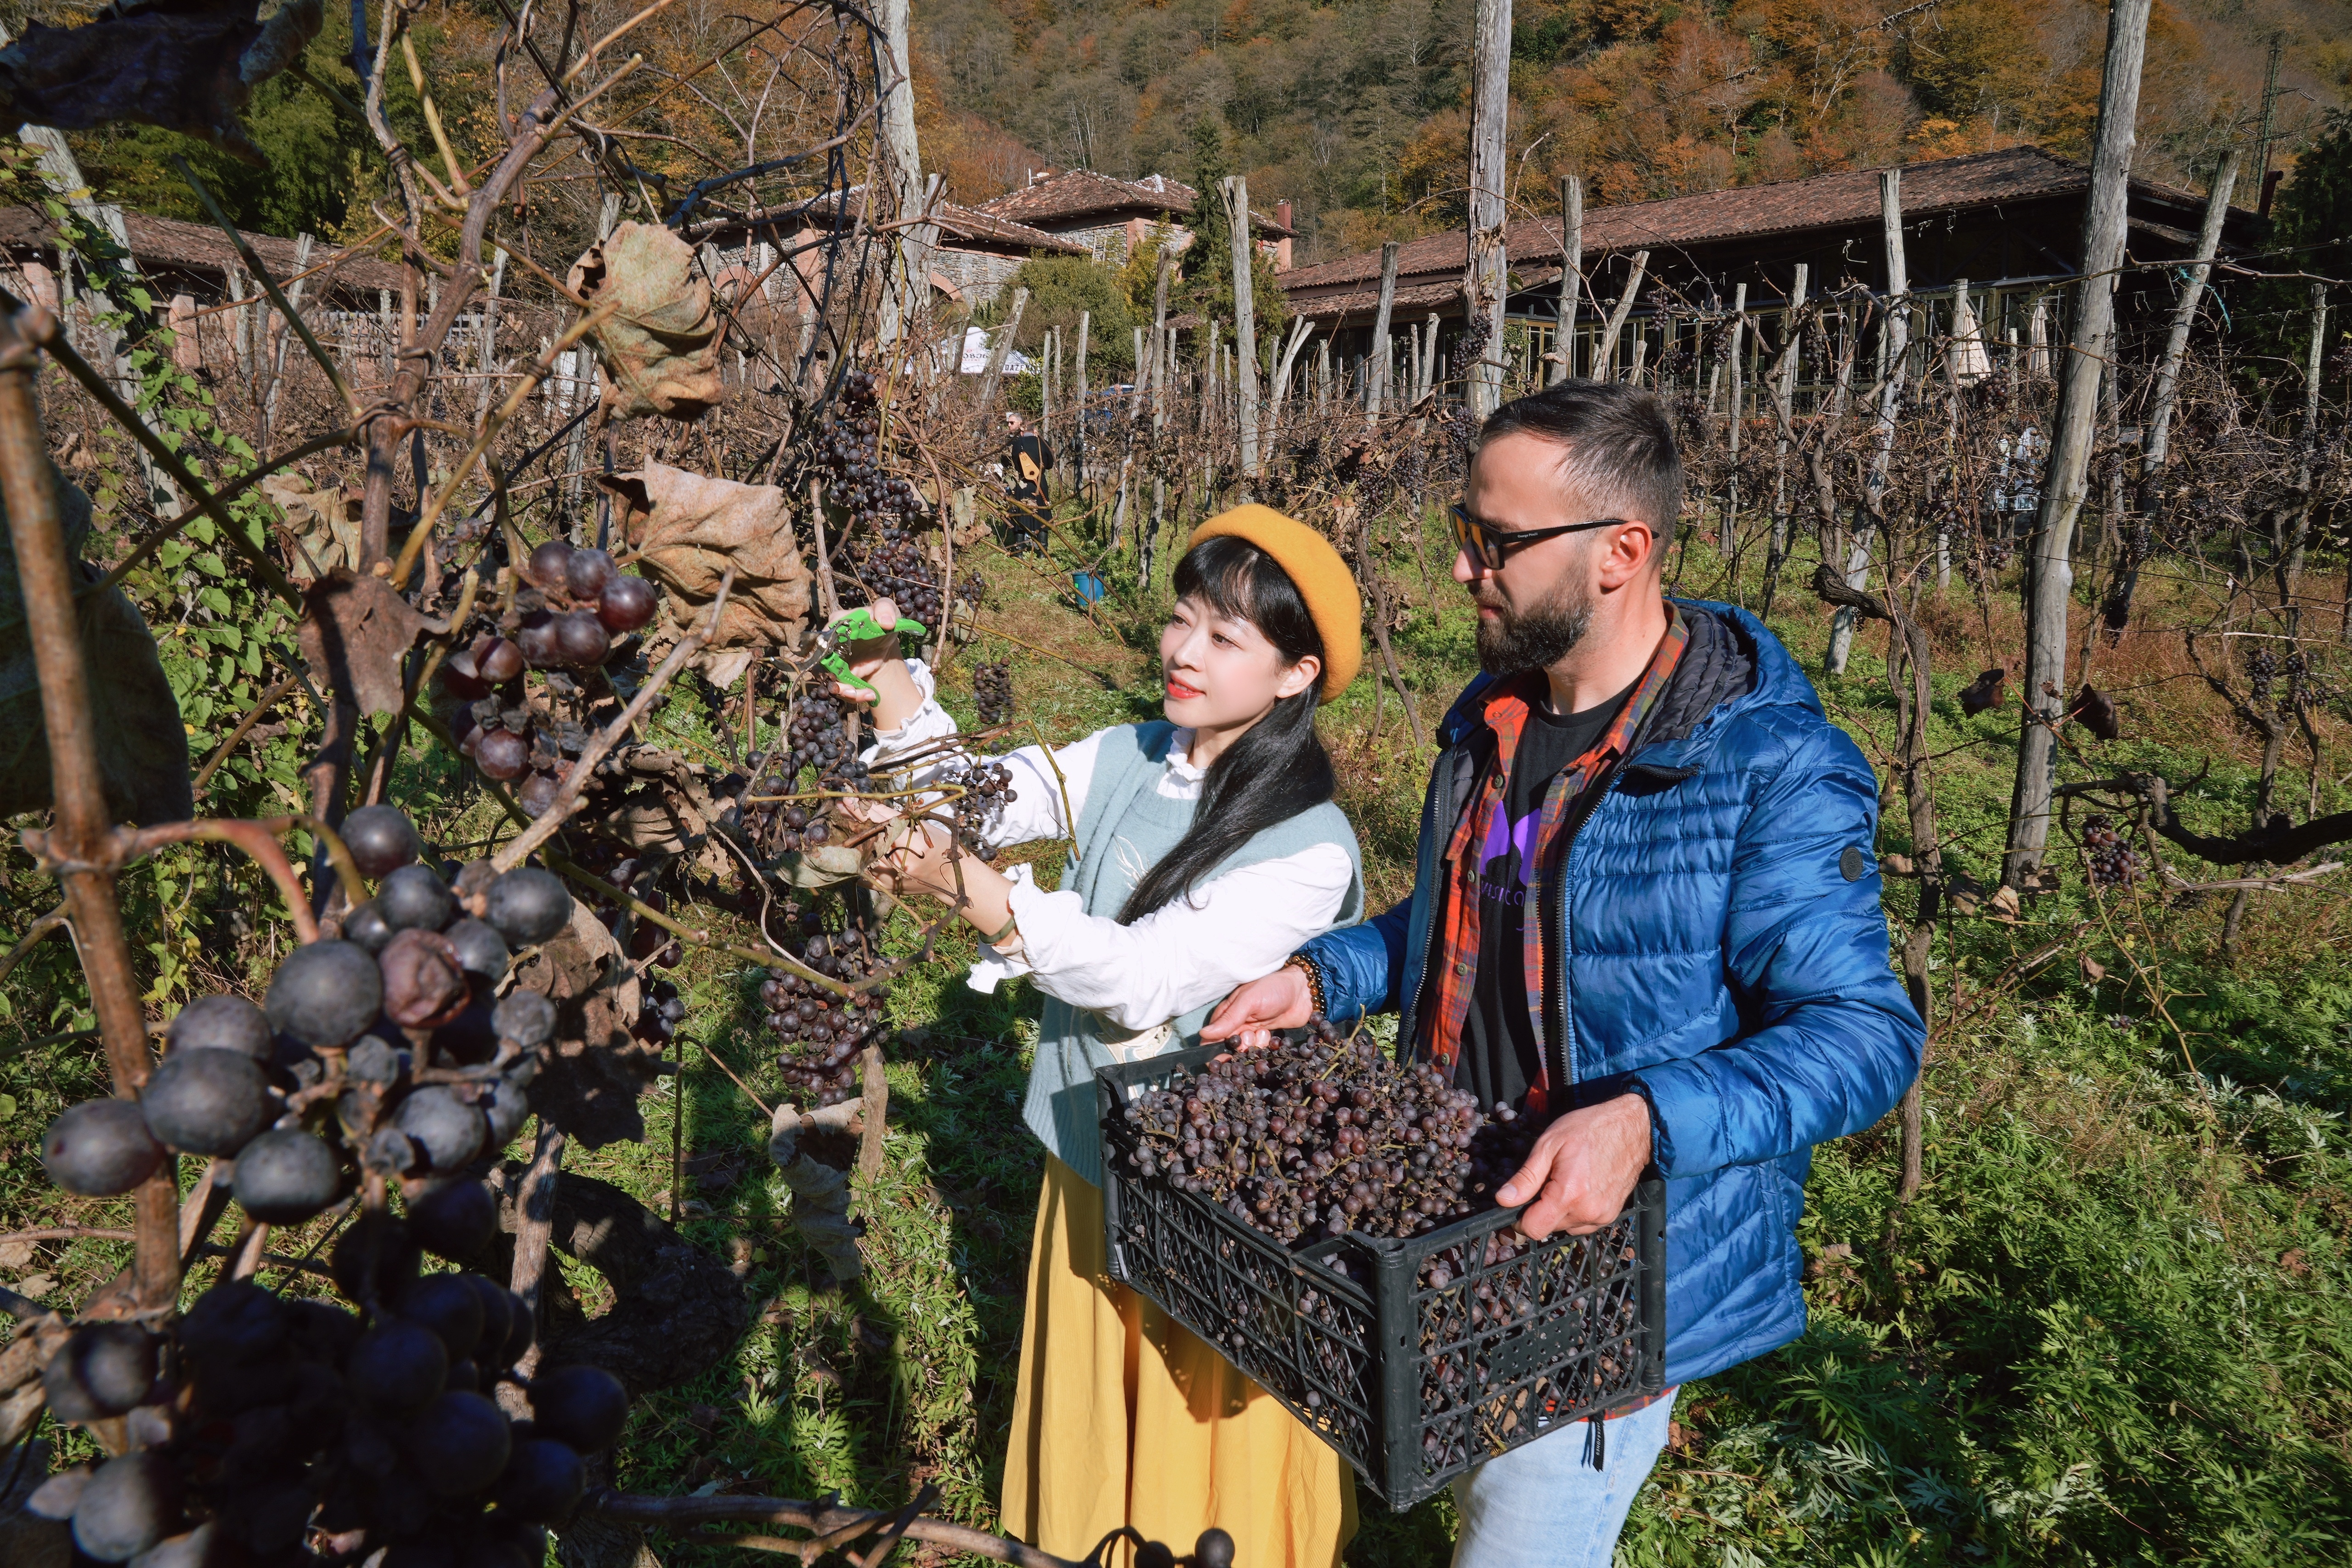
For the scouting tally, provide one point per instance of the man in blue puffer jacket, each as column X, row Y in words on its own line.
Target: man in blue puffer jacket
column 1645, row 906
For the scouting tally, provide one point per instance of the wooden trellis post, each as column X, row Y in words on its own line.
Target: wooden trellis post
column 1488, row 281
column 2050, row 557
column 1571, row 273
column 1376, row 383
column 1236, row 190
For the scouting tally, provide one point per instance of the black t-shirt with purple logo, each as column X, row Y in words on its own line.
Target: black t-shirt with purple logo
column 1502, row 1048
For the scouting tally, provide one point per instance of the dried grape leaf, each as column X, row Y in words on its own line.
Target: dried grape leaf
column 657, row 804
column 2097, row 711
column 143, row 742
column 820, row 1190
column 185, row 65
column 358, row 631
column 820, row 866
column 325, row 524
column 689, row 529
column 598, row 1067
column 660, row 348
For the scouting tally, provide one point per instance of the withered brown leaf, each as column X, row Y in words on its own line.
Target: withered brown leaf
column 660, row 349
column 356, row 631
column 598, row 1066
column 690, row 528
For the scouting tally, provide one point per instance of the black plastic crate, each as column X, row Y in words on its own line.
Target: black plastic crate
column 1412, row 1382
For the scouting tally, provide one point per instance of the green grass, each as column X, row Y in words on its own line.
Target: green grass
column 2113, row 1326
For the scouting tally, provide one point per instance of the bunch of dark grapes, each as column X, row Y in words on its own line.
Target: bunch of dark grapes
column 1470, row 347
column 895, row 568
column 1499, row 1147
column 565, row 620
column 665, row 1010
column 1316, row 1136
column 992, row 691
column 819, row 739
column 268, row 1430
column 987, row 790
column 1477, row 1291
column 298, row 1431
column 822, row 1030
column 878, row 547
column 2262, row 668
column 778, row 825
column 2113, row 862
column 859, row 485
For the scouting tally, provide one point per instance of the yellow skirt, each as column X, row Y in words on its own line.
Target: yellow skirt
column 1122, row 1416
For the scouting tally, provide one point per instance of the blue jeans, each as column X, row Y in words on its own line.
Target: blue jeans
column 1544, row 1505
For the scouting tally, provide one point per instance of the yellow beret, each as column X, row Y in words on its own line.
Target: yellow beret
column 1321, row 578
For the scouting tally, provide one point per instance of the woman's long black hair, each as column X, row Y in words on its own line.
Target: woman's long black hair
column 1278, row 768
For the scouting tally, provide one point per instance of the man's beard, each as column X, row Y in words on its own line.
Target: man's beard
column 1539, row 636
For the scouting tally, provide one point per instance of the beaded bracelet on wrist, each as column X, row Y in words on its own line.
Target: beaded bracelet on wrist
column 1307, row 967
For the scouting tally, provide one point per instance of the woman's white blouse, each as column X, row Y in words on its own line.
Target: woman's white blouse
column 1230, row 930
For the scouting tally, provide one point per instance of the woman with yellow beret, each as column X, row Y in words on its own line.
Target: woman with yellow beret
column 1208, row 851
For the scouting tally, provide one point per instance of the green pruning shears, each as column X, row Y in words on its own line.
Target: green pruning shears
column 858, row 626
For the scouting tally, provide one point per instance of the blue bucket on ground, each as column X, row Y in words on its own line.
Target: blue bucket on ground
column 1089, row 586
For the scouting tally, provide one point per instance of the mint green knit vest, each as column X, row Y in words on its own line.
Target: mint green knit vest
column 1125, row 828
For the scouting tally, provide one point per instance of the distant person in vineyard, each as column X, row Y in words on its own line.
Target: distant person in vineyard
column 1026, row 460
column 1208, row 851
column 1646, row 905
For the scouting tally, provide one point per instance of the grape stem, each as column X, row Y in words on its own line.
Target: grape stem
column 570, row 794
column 1070, row 818
column 205, row 1203
column 535, row 1228
column 82, row 824
column 269, row 700
column 765, row 1109
column 39, row 929
column 249, row 1251
column 286, row 312
column 253, row 837
column 1109, row 683
column 275, row 1259
column 541, row 369
column 826, row 1518
column 69, row 1233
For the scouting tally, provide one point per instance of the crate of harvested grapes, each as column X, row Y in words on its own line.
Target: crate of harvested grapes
column 1323, row 1216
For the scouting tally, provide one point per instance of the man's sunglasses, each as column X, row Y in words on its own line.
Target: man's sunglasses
column 1489, row 546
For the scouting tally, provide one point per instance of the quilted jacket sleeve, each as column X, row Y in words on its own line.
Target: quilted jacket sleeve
column 1362, row 965
column 1832, row 1040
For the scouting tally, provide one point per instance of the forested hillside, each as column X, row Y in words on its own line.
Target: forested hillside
column 1356, row 110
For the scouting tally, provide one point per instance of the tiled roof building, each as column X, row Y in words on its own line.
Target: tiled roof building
column 2007, row 221
column 1111, row 216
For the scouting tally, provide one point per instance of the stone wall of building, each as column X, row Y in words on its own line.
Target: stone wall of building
column 977, row 275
